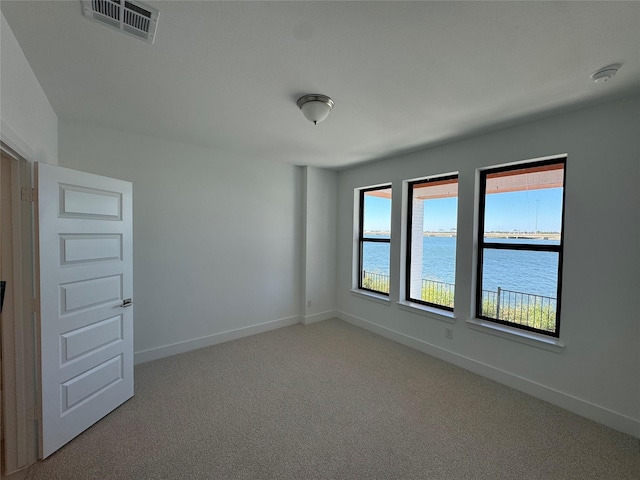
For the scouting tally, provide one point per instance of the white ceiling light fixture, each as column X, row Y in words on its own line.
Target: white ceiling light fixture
column 315, row 107
column 605, row 73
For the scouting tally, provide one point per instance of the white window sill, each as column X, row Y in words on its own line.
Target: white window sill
column 426, row 311
column 515, row 334
column 376, row 297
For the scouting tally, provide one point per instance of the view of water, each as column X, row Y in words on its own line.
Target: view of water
column 521, row 271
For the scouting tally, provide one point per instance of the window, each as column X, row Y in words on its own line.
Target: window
column 375, row 239
column 520, row 245
column 431, row 237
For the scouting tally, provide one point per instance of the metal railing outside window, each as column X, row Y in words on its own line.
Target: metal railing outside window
column 378, row 282
column 534, row 311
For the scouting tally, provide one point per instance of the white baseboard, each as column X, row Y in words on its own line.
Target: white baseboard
column 201, row 342
column 573, row 404
column 318, row 317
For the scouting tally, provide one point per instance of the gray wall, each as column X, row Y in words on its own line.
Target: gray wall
column 28, row 124
column 217, row 239
column 596, row 374
column 320, row 238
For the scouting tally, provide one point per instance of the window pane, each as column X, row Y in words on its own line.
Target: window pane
column 522, row 210
column 377, row 214
column 375, row 266
column 520, row 286
column 438, row 271
column 433, row 241
column 524, row 201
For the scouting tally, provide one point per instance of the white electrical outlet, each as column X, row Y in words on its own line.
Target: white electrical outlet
column 448, row 332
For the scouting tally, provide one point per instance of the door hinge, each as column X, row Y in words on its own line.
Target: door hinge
column 29, row 195
column 34, row 305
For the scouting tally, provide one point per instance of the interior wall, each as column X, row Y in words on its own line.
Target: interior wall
column 28, row 128
column 28, row 123
column 596, row 374
column 320, row 237
column 216, row 239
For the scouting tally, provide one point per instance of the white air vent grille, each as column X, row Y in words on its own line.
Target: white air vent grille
column 131, row 17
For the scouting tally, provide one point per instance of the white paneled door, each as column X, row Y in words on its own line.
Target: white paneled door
column 86, row 290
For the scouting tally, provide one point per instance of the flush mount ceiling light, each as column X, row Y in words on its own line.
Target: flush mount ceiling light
column 315, row 107
column 605, row 73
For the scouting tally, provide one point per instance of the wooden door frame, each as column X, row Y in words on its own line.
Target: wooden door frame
column 18, row 324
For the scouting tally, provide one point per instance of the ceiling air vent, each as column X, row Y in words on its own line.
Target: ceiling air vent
column 134, row 18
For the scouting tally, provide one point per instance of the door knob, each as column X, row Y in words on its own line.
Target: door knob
column 127, row 303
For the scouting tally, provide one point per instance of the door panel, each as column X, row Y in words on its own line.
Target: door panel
column 90, row 248
column 85, row 274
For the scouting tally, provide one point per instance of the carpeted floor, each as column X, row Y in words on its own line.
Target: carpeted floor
column 332, row 401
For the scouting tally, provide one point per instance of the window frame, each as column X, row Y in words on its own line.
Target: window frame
column 407, row 280
column 362, row 239
column 483, row 245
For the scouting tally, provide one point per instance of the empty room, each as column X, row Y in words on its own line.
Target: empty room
column 320, row 239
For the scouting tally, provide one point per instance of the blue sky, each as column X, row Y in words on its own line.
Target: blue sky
column 440, row 214
column 505, row 212
column 527, row 211
column 377, row 214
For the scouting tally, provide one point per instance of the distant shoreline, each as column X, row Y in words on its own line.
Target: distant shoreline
column 520, row 235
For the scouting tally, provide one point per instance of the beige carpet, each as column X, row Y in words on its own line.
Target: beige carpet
column 332, row 401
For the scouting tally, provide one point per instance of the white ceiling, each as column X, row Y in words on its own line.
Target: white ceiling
column 403, row 75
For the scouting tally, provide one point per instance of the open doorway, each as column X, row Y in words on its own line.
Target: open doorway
column 18, row 425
